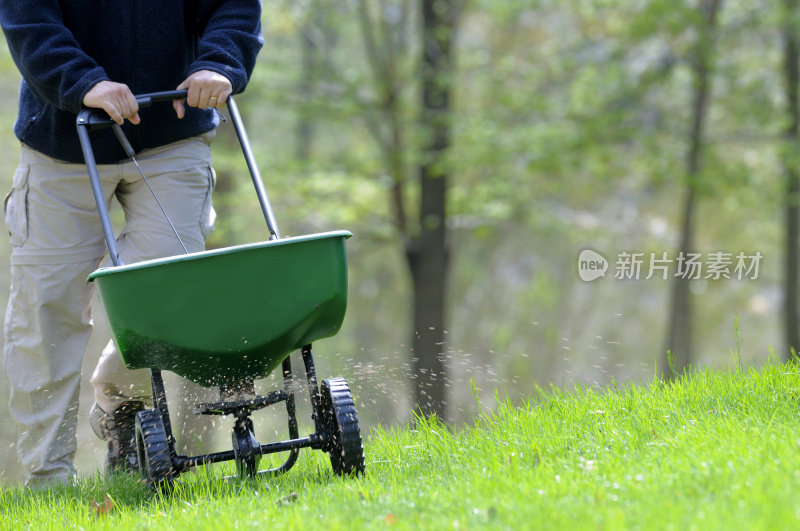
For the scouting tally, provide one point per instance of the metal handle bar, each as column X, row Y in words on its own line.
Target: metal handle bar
column 98, row 118
column 145, row 100
column 90, row 119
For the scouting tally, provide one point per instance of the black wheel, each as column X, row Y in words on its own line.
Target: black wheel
column 341, row 425
column 152, row 449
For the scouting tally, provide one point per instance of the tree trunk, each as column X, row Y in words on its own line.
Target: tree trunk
column 792, row 256
column 427, row 251
column 678, row 351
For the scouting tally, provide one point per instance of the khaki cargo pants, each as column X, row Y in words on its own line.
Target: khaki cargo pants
column 56, row 242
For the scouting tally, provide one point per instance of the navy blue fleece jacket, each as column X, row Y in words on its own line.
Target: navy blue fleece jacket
column 63, row 48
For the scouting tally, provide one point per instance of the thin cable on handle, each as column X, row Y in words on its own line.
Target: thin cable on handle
column 123, row 140
column 159, row 204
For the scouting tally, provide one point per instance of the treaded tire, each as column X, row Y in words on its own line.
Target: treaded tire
column 341, row 423
column 152, row 449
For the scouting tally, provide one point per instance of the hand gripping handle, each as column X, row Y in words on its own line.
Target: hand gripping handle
column 96, row 119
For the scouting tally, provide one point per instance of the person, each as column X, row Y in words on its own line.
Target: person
column 99, row 54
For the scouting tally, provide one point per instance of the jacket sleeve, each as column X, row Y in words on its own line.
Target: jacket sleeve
column 229, row 39
column 49, row 58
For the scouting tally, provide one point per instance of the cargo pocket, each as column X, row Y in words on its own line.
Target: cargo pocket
column 16, row 208
column 209, row 217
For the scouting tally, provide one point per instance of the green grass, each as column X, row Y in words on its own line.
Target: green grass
column 714, row 450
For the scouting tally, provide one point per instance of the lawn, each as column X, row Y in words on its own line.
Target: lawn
column 713, row 450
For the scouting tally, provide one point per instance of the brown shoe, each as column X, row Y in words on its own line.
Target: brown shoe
column 118, row 430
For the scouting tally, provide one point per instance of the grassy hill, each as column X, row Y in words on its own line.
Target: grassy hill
column 716, row 449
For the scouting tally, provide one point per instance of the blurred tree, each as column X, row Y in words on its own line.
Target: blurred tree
column 424, row 238
column 792, row 178
column 679, row 333
column 426, row 248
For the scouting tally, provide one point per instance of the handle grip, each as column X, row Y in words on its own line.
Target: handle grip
column 145, row 100
column 96, row 119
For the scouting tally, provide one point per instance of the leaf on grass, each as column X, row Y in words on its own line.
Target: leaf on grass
column 286, row 500
column 390, row 519
column 102, row 509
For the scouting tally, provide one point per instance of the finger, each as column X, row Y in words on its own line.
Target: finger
column 223, row 97
column 124, row 108
column 133, row 105
column 204, row 97
column 129, row 107
column 180, row 110
column 113, row 113
column 179, row 105
column 193, row 97
column 219, row 97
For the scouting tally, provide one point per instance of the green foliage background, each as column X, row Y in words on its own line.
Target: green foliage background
column 571, row 122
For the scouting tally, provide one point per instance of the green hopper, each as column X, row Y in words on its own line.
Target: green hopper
column 219, row 317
